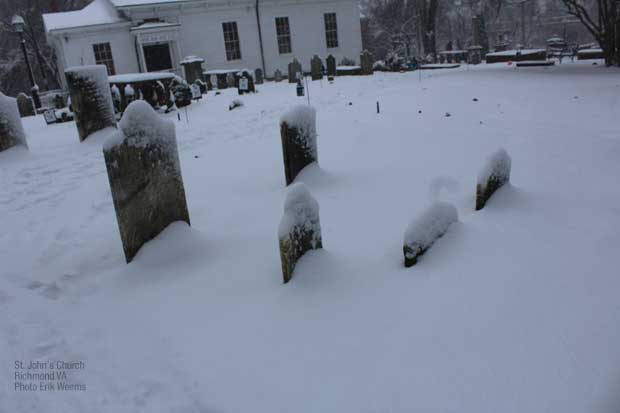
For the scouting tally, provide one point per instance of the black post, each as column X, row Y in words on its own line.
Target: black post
column 35, row 89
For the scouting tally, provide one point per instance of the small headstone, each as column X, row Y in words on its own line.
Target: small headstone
column 59, row 102
column 366, row 62
column 316, row 68
column 50, row 116
column 258, row 73
column 300, row 88
column 331, row 66
column 300, row 228
column 231, row 80
column 494, row 175
column 422, row 233
column 235, row 104
column 213, row 80
column 11, row 128
column 277, row 75
column 299, row 146
column 91, row 99
column 145, row 176
column 294, row 70
column 196, row 92
column 25, row 104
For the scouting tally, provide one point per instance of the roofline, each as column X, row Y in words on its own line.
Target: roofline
column 88, row 27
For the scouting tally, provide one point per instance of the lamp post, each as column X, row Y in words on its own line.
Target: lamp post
column 18, row 24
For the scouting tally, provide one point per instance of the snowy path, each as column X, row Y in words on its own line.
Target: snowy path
column 515, row 310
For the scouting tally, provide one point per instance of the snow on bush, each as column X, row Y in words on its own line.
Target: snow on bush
column 426, row 229
column 300, row 228
column 11, row 128
column 494, row 174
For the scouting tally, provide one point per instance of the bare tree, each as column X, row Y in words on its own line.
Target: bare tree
column 602, row 19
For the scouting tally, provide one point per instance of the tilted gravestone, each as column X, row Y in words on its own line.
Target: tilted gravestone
column 277, row 75
column 331, row 66
column 494, row 175
column 258, row 74
column 316, row 68
column 91, row 99
column 300, row 228
column 366, row 62
column 299, row 146
column 145, row 176
column 422, row 233
column 294, row 70
column 25, row 104
column 11, row 128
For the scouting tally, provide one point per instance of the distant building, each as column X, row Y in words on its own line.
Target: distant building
column 130, row 36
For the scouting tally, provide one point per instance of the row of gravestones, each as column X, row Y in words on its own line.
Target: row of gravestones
column 300, row 229
column 147, row 188
column 295, row 70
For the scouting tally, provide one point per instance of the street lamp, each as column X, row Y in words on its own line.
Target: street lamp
column 18, row 24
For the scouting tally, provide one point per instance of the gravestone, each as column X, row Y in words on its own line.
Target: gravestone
column 316, row 68
column 366, row 62
column 25, row 104
column 331, row 66
column 258, row 73
column 59, row 101
column 143, row 167
column 277, row 75
column 300, row 228
column 294, row 70
column 422, row 233
column 192, row 66
column 245, row 82
column 231, row 80
column 494, row 175
column 11, row 128
column 299, row 146
column 91, row 99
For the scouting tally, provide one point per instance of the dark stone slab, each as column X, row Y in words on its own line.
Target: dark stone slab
column 366, row 62
column 145, row 177
column 294, row 70
column 316, row 68
column 331, row 66
column 91, row 99
column 298, row 133
column 25, row 105
column 258, row 74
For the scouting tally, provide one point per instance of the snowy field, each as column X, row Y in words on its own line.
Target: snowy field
column 515, row 309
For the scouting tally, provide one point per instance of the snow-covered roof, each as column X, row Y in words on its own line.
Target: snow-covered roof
column 154, row 25
column 96, row 13
column 129, row 3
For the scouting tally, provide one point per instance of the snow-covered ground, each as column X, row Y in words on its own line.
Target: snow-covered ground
column 515, row 309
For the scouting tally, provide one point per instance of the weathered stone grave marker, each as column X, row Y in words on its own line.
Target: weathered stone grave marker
column 258, row 74
column 494, row 175
column 316, row 68
column 11, row 128
column 91, row 99
column 300, row 228
column 294, row 71
column 277, row 75
column 145, row 176
column 25, row 105
column 331, row 67
column 422, row 233
column 366, row 62
column 299, row 146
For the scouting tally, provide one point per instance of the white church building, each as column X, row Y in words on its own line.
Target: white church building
column 131, row 36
